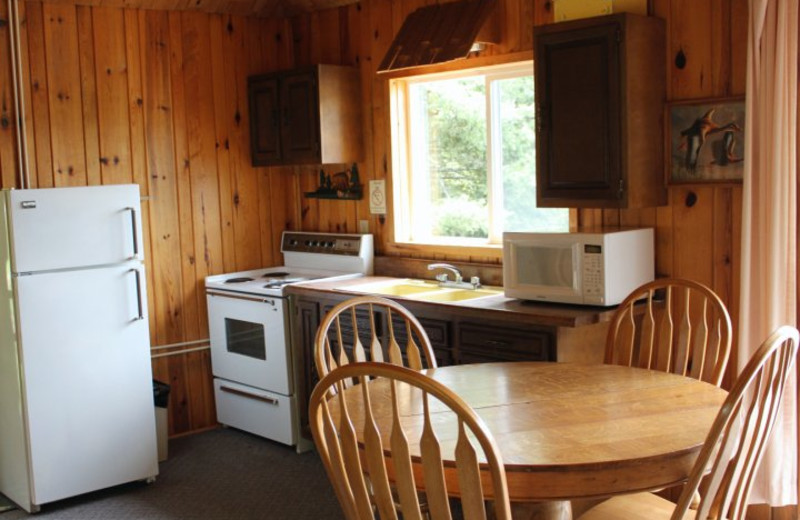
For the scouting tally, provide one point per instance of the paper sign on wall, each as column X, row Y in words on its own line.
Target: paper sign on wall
column 377, row 197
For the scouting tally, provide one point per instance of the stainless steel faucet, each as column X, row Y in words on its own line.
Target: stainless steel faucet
column 474, row 282
column 442, row 277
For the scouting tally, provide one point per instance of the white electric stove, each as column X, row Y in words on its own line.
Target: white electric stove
column 248, row 317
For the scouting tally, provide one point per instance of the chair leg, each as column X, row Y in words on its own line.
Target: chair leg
column 695, row 500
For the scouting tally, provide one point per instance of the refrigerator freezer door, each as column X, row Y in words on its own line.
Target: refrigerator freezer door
column 87, row 379
column 66, row 228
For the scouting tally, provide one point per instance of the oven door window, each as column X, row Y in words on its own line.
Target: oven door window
column 245, row 338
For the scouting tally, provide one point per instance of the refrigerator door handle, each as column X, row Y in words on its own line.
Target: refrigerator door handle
column 138, row 294
column 133, row 231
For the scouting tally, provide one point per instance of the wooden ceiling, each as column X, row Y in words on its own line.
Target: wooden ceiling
column 259, row 8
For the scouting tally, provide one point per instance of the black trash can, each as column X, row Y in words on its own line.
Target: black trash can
column 161, row 399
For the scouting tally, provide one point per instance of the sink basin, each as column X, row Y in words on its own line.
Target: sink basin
column 403, row 287
column 423, row 290
column 457, row 295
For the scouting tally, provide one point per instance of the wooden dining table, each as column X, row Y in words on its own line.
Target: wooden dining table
column 573, row 431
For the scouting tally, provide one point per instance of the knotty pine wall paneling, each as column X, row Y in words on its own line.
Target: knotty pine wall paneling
column 64, row 95
column 703, row 222
column 8, row 113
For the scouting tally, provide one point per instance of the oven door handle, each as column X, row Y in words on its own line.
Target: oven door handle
column 242, row 393
column 260, row 299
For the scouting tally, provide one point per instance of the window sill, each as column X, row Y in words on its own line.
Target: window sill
column 485, row 253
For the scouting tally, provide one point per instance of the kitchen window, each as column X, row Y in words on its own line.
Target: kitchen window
column 463, row 157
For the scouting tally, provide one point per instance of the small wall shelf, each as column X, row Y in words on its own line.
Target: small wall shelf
column 342, row 185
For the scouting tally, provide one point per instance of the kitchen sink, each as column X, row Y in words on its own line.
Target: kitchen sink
column 423, row 290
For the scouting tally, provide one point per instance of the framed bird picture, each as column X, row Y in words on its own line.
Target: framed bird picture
column 705, row 140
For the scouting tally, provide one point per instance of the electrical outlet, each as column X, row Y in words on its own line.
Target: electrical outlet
column 363, row 226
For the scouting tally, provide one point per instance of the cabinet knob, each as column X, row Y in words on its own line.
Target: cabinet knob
column 541, row 116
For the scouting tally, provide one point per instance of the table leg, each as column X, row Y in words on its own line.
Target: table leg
column 555, row 510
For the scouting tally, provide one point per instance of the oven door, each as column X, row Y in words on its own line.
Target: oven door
column 248, row 340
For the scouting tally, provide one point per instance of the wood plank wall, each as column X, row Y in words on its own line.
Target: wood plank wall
column 159, row 98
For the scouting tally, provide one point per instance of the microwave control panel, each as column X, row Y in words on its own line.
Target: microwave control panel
column 593, row 273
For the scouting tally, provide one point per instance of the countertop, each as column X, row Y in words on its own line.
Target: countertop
column 536, row 313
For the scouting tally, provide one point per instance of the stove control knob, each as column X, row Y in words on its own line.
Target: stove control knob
column 308, row 243
column 330, row 244
column 293, row 242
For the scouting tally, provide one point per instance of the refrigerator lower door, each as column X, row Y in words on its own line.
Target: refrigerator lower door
column 87, row 379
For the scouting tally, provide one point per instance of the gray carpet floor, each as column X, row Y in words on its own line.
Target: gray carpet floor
column 219, row 474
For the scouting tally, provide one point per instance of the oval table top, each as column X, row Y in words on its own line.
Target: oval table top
column 568, row 431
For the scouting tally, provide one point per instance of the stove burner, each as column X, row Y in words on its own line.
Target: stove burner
column 275, row 285
column 238, row 280
column 276, row 274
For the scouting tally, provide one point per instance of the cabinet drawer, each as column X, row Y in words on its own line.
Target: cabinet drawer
column 498, row 343
column 256, row 411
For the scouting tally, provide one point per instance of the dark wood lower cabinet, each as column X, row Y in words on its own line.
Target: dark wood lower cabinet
column 457, row 337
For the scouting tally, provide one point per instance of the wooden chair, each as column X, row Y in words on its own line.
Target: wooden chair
column 681, row 327
column 362, row 473
column 370, row 328
column 733, row 448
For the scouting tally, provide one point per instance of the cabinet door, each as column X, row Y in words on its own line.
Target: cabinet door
column 307, row 317
column 300, row 118
column 265, row 137
column 577, row 75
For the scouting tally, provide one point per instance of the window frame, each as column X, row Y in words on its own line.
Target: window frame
column 398, row 103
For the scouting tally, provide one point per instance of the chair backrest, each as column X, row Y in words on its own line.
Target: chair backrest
column 736, row 441
column 354, row 446
column 370, row 328
column 680, row 326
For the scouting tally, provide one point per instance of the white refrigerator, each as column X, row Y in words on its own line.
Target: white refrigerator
column 76, row 398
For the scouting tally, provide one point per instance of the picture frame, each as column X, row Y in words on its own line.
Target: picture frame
column 705, row 140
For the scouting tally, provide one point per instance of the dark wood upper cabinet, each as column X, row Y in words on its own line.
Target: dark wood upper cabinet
column 600, row 93
column 310, row 115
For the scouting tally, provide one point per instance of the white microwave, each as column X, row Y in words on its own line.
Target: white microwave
column 586, row 268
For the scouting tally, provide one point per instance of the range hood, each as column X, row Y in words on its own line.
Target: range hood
column 437, row 33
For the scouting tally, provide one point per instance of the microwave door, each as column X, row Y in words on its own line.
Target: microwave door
column 548, row 272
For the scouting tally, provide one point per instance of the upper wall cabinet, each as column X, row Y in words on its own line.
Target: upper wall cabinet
column 600, row 93
column 310, row 115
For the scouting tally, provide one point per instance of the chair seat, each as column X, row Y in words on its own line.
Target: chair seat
column 641, row 506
